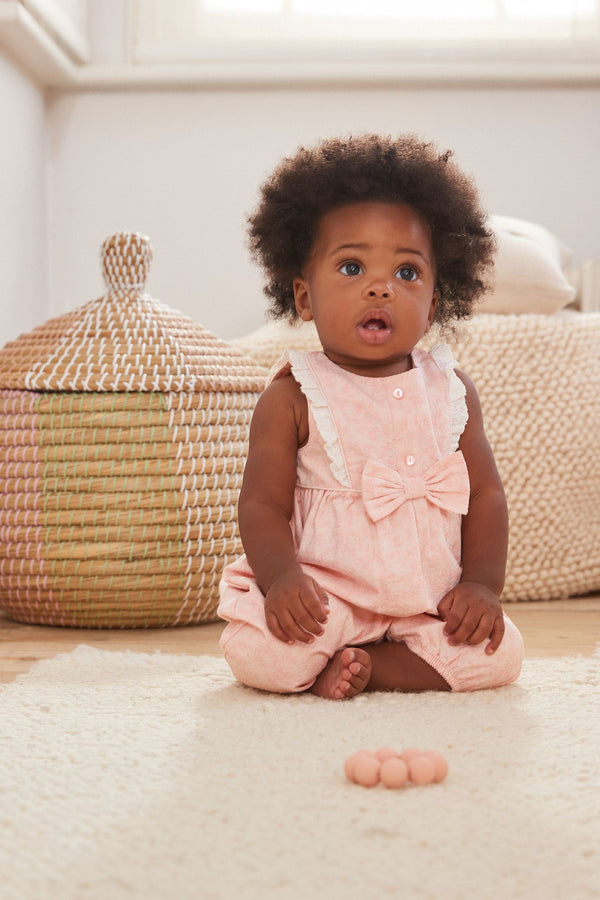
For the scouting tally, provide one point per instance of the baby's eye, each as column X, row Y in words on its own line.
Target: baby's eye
column 407, row 273
column 351, row 268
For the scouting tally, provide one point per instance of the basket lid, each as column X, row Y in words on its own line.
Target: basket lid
column 125, row 341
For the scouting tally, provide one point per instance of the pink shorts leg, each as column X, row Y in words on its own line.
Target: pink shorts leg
column 259, row 660
column 464, row 667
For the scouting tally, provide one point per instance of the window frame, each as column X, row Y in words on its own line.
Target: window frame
column 549, row 60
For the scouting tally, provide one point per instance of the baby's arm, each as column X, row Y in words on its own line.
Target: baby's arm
column 295, row 605
column 472, row 610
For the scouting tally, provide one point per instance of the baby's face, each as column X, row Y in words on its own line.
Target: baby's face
column 369, row 285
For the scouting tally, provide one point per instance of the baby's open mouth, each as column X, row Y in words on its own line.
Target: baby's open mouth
column 374, row 324
column 375, row 327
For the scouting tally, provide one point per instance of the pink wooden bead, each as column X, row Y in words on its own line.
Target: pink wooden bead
column 394, row 773
column 421, row 770
column 351, row 762
column 386, row 753
column 440, row 763
column 366, row 771
column 409, row 752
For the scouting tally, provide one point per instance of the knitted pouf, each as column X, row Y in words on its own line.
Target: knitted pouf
column 123, row 438
column 538, row 378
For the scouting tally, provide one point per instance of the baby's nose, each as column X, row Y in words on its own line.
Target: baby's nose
column 380, row 288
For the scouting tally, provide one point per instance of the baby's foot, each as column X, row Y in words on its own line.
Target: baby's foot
column 346, row 674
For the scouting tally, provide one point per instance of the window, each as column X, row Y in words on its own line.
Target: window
column 375, row 34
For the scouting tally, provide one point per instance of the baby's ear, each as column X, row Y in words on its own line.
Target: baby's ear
column 432, row 308
column 302, row 299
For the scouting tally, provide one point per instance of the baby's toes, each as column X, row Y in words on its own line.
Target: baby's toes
column 355, row 656
column 357, row 671
column 361, row 664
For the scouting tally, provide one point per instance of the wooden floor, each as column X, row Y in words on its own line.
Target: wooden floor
column 555, row 628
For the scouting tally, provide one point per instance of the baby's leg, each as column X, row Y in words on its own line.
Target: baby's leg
column 366, row 662
column 332, row 666
column 259, row 660
column 375, row 666
column 419, row 658
column 384, row 666
column 464, row 667
column 396, row 668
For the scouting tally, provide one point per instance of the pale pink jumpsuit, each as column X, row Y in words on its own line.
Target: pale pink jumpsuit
column 380, row 493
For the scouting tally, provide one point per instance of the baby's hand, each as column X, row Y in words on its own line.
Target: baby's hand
column 472, row 613
column 296, row 608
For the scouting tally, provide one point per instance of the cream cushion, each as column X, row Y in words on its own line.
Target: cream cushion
column 538, row 377
column 529, row 275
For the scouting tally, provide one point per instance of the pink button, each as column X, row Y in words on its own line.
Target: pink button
column 398, row 393
column 410, row 460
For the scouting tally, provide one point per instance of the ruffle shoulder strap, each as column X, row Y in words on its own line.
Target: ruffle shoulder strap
column 296, row 362
column 459, row 414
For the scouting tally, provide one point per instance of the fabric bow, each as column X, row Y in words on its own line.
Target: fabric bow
column 445, row 483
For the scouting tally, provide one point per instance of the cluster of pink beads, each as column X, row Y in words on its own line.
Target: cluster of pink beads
column 394, row 769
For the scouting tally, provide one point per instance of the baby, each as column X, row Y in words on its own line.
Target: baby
column 372, row 515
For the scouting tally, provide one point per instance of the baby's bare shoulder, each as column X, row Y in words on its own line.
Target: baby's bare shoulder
column 283, row 401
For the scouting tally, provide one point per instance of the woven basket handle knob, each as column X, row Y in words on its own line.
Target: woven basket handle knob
column 126, row 258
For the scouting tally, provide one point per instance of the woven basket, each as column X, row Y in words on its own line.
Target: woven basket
column 123, row 439
column 538, row 378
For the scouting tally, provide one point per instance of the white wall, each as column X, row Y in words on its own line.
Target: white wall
column 184, row 167
column 23, row 247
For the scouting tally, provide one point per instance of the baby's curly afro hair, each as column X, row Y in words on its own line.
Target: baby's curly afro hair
column 340, row 171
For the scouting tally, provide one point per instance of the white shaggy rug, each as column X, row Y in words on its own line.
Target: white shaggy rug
column 157, row 776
